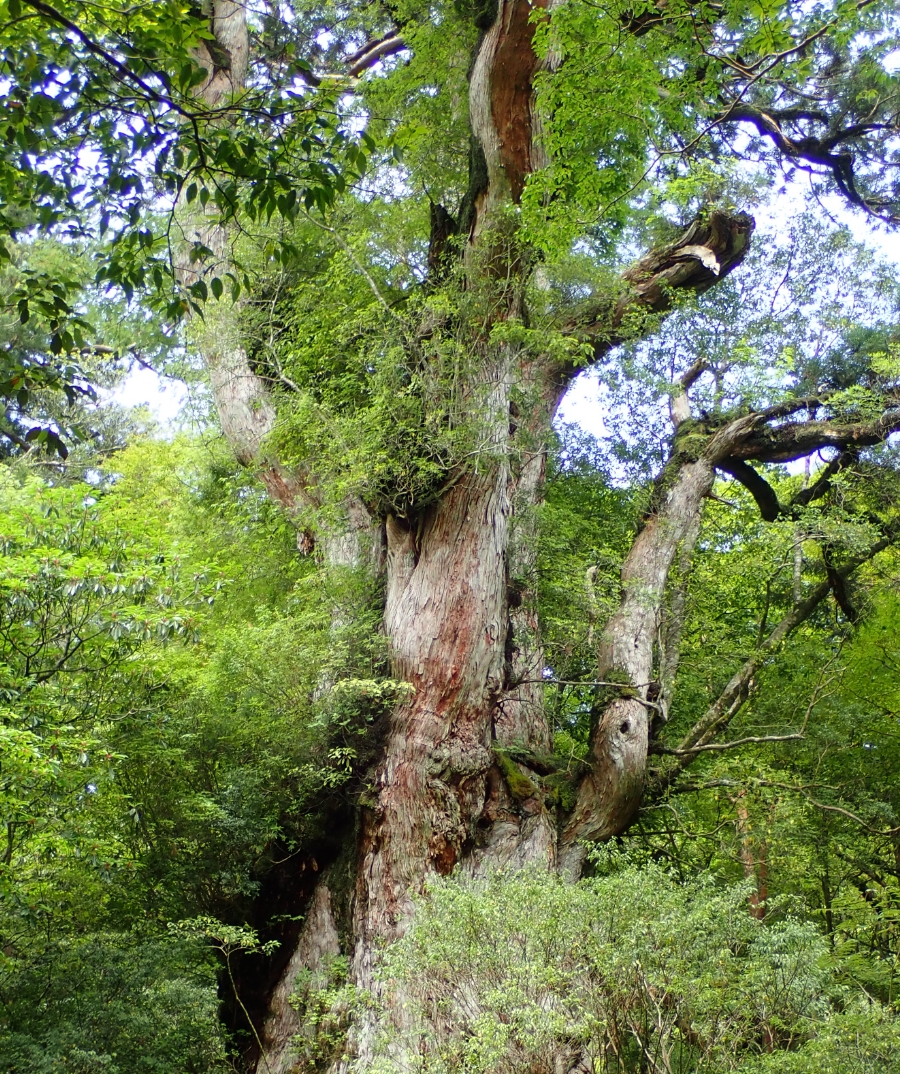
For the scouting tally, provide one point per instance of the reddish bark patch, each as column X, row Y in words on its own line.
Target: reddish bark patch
column 514, row 65
column 280, row 487
column 443, row 855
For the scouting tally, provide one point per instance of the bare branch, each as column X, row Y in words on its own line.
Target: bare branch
column 718, row 746
column 376, row 52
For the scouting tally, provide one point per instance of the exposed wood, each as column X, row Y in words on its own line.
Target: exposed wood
column 500, row 106
column 651, row 284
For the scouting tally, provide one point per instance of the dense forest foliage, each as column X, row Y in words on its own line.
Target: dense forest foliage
column 190, row 700
column 370, row 718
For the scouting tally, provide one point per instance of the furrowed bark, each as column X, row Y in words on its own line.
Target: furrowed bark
column 460, row 619
column 459, row 603
column 459, row 611
column 610, row 793
column 226, row 57
column 463, row 631
column 501, row 109
column 286, row 1032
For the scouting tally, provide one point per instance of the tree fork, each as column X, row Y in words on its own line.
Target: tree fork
column 438, row 798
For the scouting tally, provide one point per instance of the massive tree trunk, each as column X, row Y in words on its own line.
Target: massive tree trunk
column 453, row 787
column 456, row 781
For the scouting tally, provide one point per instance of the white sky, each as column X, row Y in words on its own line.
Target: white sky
column 163, row 397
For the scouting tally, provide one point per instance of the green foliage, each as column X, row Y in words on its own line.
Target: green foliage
column 371, row 405
column 67, row 68
column 182, row 711
column 189, row 704
column 61, row 340
column 325, row 1002
column 78, row 597
column 861, row 1040
column 632, row 93
column 585, row 528
column 629, row 971
column 105, row 133
column 111, row 1003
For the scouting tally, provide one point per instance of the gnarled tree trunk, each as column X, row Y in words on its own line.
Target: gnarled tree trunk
column 452, row 788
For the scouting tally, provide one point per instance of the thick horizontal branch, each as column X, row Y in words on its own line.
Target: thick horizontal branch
column 714, row 245
column 796, row 440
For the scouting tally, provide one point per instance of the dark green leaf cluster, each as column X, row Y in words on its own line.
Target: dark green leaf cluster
column 111, row 1003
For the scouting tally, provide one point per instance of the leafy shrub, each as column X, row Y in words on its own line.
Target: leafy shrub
column 111, row 1004
column 628, row 972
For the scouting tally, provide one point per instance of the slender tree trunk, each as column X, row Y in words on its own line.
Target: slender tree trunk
column 610, row 793
column 754, row 858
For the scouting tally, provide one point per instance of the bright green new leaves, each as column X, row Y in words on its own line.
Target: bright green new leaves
column 633, row 95
column 630, row 971
column 77, row 598
column 102, row 121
